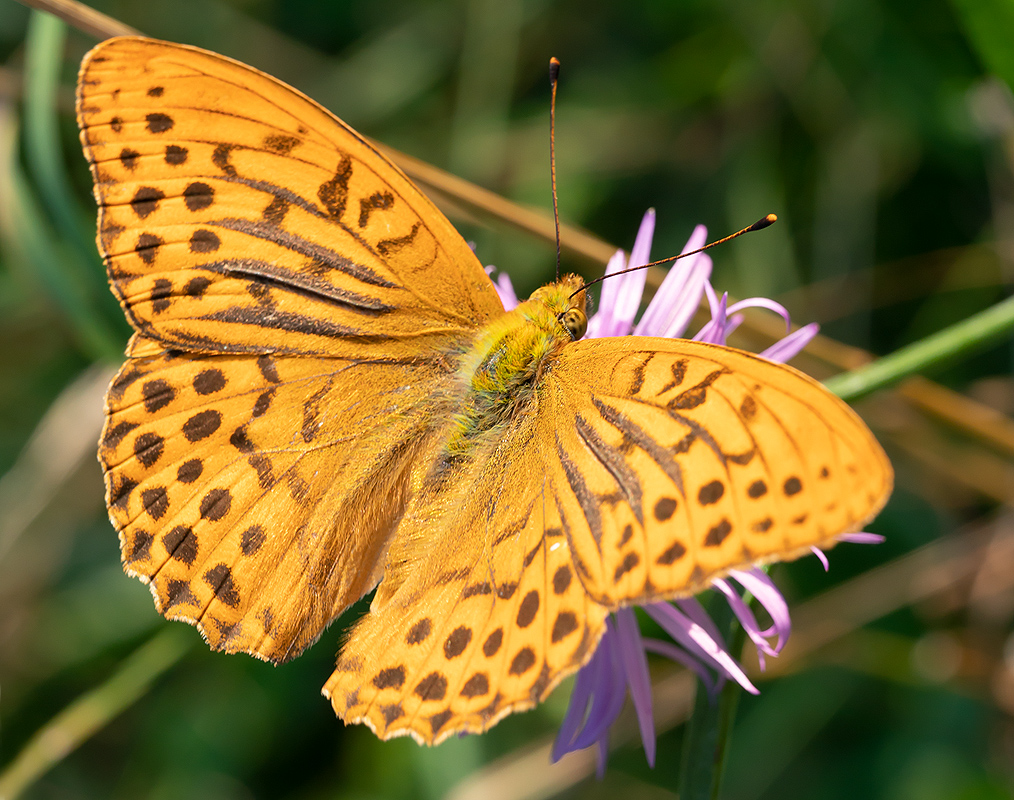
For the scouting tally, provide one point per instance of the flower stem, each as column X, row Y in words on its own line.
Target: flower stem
column 706, row 741
column 976, row 331
column 93, row 710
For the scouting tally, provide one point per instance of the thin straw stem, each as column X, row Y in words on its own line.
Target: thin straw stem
column 974, row 332
column 65, row 732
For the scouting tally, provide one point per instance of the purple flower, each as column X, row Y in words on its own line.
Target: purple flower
column 620, row 663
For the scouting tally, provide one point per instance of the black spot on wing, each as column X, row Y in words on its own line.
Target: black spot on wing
column 334, row 193
column 696, row 395
column 378, row 201
column 159, row 123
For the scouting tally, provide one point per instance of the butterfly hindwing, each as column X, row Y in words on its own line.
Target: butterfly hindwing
column 677, row 461
column 489, row 617
column 237, row 215
column 258, row 494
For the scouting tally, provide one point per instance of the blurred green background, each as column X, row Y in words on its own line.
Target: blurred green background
column 881, row 133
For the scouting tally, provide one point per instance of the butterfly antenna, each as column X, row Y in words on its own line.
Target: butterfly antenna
column 760, row 224
column 554, row 77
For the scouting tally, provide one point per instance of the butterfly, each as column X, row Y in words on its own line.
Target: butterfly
column 324, row 396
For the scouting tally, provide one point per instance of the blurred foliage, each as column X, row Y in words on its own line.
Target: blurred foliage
column 882, row 134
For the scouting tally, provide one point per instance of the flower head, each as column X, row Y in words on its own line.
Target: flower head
column 619, row 664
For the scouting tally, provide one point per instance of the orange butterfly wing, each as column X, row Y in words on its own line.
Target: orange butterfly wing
column 258, row 495
column 237, row 215
column 677, row 461
column 296, row 298
column 647, row 468
column 486, row 614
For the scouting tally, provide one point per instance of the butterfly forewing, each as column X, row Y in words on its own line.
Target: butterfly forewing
column 678, row 461
column 258, row 495
column 237, row 215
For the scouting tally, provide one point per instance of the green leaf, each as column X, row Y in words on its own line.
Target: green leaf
column 989, row 26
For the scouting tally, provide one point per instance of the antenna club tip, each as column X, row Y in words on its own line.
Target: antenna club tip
column 762, row 223
column 554, row 69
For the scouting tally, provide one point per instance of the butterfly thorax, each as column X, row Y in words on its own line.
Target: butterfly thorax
column 502, row 371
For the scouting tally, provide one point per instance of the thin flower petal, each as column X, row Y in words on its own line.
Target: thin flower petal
column 714, row 332
column 629, row 288
column 681, row 656
column 747, row 619
column 761, row 586
column 504, row 288
column 606, row 703
column 762, row 302
column 789, row 347
column 696, row 639
column 678, row 291
column 692, row 607
column 640, row 253
column 822, row 556
column 676, row 624
column 861, row 537
column 733, row 322
column 602, row 755
column 601, row 321
column 628, row 291
column 579, row 698
column 635, row 665
column 684, row 310
column 713, row 302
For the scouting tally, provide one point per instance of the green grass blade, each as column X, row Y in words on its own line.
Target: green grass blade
column 93, row 710
column 973, row 333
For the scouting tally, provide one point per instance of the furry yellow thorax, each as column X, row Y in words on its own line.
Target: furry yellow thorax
column 503, row 367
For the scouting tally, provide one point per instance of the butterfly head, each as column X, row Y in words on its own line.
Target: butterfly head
column 567, row 308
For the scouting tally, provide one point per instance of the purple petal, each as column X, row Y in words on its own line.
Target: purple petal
column 628, row 290
column 680, row 290
column 600, row 679
column 579, row 698
column 763, row 302
column 747, row 620
column 714, row 332
column 602, row 755
column 693, row 291
column 504, row 288
column 713, row 302
column 760, row 586
column 698, row 641
column 861, row 538
column 822, row 556
column 676, row 624
column 692, row 607
column 790, row 346
column 640, row 253
column 733, row 322
column 681, row 656
column 602, row 321
column 635, row 665
column 609, row 694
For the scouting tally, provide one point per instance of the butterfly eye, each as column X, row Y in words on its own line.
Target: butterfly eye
column 575, row 322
